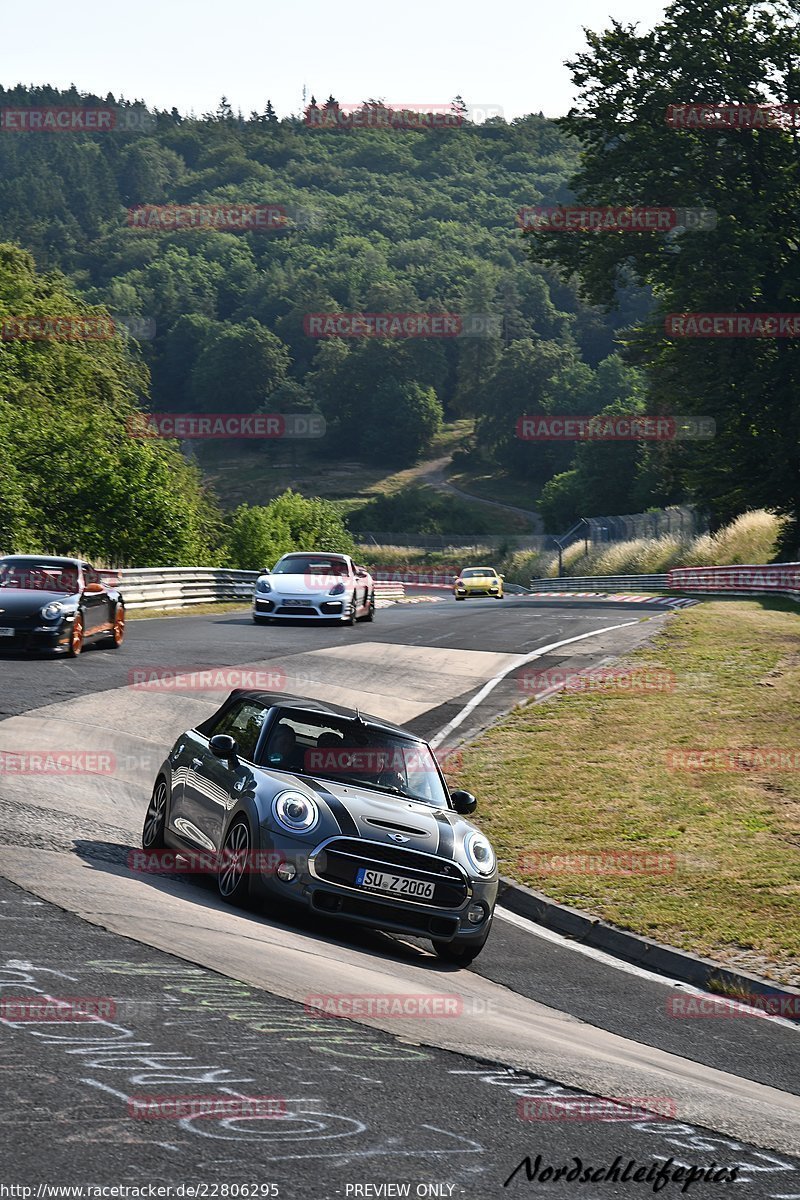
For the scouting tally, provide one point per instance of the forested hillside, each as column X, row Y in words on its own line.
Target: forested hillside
column 378, row 221
column 407, row 221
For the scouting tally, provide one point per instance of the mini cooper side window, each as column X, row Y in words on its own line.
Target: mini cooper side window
column 242, row 721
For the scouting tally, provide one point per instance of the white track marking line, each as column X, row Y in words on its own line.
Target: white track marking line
column 523, row 660
column 608, row 960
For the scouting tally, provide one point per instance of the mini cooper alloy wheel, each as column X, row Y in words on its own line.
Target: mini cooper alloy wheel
column 232, row 877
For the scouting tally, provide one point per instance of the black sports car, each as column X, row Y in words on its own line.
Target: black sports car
column 294, row 801
column 57, row 604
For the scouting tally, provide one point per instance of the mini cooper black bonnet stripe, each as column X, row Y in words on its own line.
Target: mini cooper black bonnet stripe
column 342, row 817
column 447, row 837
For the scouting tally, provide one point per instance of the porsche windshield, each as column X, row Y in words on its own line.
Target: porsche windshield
column 354, row 752
column 39, row 577
column 477, row 573
column 311, row 565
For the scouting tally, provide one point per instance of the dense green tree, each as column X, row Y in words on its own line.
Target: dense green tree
column 238, row 368
column 707, row 51
column 74, row 475
column 258, row 536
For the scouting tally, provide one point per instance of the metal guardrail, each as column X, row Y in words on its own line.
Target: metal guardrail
column 781, row 579
column 181, row 587
column 601, row 583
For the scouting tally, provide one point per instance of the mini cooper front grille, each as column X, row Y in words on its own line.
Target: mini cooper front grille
column 340, row 860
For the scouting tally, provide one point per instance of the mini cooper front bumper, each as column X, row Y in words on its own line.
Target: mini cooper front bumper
column 328, row 879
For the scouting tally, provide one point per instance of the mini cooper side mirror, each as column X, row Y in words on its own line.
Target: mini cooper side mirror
column 94, row 589
column 463, row 802
column 223, row 746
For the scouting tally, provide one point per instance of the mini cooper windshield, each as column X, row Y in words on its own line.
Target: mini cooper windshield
column 357, row 753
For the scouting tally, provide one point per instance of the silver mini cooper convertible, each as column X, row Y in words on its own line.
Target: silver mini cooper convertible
column 293, row 801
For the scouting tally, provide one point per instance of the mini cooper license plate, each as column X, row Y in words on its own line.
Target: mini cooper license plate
column 298, row 603
column 6, row 632
column 396, row 885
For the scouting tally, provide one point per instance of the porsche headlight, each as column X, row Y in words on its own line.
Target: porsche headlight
column 295, row 812
column 263, row 585
column 52, row 610
column 480, row 854
column 337, row 590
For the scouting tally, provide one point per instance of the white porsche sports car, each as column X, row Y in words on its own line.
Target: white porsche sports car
column 317, row 587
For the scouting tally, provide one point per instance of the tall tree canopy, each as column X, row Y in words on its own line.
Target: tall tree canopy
column 705, row 51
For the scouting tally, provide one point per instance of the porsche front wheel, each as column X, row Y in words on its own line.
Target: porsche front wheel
column 76, row 636
column 118, row 628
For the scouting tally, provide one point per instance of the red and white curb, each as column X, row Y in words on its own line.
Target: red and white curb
column 618, row 598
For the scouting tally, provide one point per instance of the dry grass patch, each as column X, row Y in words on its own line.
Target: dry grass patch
column 589, row 773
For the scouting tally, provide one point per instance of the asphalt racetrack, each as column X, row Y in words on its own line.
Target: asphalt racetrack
column 202, row 999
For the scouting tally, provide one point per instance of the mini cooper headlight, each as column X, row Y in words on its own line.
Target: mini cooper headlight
column 263, row 585
column 295, row 812
column 52, row 610
column 337, row 590
column 480, row 854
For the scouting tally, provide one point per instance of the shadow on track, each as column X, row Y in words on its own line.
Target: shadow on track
column 200, row 889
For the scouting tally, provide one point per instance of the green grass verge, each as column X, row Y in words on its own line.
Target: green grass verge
column 193, row 610
column 588, row 773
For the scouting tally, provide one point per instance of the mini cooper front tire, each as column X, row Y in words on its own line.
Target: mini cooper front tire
column 461, row 953
column 155, row 819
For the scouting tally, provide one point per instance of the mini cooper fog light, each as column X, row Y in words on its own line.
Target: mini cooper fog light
column 476, row 913
column 286, row 871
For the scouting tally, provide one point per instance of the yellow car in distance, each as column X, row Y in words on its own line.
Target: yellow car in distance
column 478, row 581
